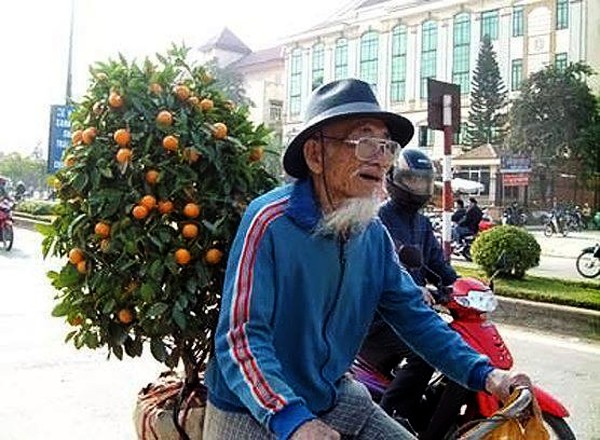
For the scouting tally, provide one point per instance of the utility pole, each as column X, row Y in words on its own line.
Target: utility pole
column 68, row 97
column 443, row 113
column 447, row 176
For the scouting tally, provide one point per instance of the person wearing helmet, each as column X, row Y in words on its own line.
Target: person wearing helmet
column 6, row 201
column 410, row 186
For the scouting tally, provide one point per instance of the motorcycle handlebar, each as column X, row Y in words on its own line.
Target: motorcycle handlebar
column 513, row 410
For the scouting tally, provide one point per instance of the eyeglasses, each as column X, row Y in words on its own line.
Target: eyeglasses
column 366, row 148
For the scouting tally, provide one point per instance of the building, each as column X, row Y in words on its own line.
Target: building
column 395, row 45
column 263, row 81
column 262, row 73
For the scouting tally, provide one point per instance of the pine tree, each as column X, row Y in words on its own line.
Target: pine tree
column 487, row 117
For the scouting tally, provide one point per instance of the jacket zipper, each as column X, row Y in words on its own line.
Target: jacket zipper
column 342, row 260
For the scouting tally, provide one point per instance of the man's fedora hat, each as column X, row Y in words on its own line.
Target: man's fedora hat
column 338, row 100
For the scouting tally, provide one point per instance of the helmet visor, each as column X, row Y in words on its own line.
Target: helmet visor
column 418, row 182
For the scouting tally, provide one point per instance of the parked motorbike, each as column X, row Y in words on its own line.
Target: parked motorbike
column 445, row 405
column 462, row 247
column 555, row 224
column 514, row 215
column 574, row 220
column 6, row 230
column 588, row 262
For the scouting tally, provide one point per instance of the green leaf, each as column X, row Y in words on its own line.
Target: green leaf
column 80, row 181
column 78, row 341
column 77, row 221
column 148, row 290
column 171, row 265
column 111, row 207
column 116, row 333
column 162, row 59
column 158, row 349
column 157, row 309
column 69, row 277
column 157, row 242
column 179, row 319
column 156, row 270
column 133, row 347
column 91, row 340
column 118, row 351
column 70, row 335
column 61, row 309
column 44, row 229
column 182, row 302
column 106, row 172
column 109, row 306
column 191, row 285
column 210, row 226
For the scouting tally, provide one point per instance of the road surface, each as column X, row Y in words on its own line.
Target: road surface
column 53, row 391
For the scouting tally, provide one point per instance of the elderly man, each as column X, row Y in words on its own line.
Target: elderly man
column 308, row 269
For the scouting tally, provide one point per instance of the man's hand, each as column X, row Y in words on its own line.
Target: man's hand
column 427, row 296
column 315, row 430
column 501, row 383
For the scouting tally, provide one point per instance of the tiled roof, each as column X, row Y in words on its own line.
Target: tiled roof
column 482, row 152
column 260, row 57
column 226, row 40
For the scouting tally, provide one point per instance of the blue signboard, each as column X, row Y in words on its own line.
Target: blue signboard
column 515, row 164
column 60, row 135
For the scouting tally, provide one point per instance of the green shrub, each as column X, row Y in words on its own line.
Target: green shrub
column 36, row 207
column 507, row 249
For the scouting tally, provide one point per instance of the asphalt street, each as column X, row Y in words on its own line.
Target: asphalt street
column 53, row 391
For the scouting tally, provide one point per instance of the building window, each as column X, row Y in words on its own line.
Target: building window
column 460, row 52
column 318, row 65
column 398, row 76
column 426, row 136
column 275, row 111
column 489, row 24
column 517, row 21
column 428, row 54
column 369, row 48
column 561, row 61
column 296, row 82
column 562, row 14
column 341, row 59
column 516, row 74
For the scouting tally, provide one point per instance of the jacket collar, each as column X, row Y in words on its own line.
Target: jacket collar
column 303, row 207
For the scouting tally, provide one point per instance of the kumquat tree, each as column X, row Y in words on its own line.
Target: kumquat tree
column 160, row 169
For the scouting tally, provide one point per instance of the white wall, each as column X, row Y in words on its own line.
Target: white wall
column 261, row 87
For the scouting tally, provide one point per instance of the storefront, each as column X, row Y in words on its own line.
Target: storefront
column 516, row 172
column 481, row 164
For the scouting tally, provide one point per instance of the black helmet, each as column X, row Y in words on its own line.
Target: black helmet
column 410, row 181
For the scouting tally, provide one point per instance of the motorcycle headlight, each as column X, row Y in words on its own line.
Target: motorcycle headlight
column 484, row 301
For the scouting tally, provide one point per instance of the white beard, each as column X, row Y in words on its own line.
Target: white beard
column 352, row 216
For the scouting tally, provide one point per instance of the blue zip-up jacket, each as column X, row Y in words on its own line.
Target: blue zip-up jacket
column 413, row 228
column 296, row 306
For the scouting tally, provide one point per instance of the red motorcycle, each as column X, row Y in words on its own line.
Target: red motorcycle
column 447, row 406
column 6, row 230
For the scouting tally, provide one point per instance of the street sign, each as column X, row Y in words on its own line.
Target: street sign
column 435, row 104
column 515, row 164
column 60, row 135
column 515, row 179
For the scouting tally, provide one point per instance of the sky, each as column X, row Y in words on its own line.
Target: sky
column 35, row 35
